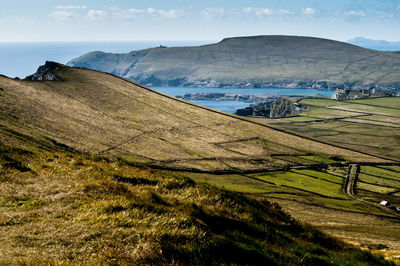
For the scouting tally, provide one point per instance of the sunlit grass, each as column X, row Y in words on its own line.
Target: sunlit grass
column 74, row 209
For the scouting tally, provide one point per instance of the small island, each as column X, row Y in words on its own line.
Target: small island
column 265, row 105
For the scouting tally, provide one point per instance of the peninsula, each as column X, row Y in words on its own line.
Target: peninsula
column 254, row 62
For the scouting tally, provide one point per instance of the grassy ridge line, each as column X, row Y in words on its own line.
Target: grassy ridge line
column 237, row 117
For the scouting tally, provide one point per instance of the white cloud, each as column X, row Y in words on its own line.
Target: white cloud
column 66, row 12
column 170, row 14
column 213, row 12
column 71, row 7
column 126, row 14
column 136, row 11
column 308, row 11
column 63, row 15
column 356, row 13
column 96, row 14
column 133, row 12
column 285, row 12
column 259, row 12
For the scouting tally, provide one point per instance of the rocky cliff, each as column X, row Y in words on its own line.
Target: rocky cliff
column 276, row 107
column 46, row 72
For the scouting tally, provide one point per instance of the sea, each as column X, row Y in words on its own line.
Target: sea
column 23, row 59
column 232, row 106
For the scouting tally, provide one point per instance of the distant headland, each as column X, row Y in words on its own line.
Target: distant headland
column 255, row 62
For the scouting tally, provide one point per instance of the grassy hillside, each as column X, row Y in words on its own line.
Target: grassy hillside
column 102, row 114
column 253, row 61
column 93, row 161
column 65, row 208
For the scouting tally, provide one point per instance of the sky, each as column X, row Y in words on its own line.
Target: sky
column 138, row 20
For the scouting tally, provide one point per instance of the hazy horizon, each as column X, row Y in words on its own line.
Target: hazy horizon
column 178, row 20
column 183, row 41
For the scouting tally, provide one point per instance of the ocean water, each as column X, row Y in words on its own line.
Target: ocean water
column 180, row 91
column 232, row 106
column 23, row 59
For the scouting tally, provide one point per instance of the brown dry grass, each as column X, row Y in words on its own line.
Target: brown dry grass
column 363, row 230
column 98, row 113
column 63, row 208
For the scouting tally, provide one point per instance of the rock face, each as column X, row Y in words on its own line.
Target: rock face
column 254, row 62
column 282, row 107
column 46, row 72
column 277, row 107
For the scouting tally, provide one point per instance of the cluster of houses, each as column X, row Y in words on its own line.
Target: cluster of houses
column 387, row 204
column 354, row 94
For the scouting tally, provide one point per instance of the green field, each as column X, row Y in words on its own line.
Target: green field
column 384, row 102
column 378, row 183
column 381, row 171
column 381, row 181
column 317, row 196
column 372, row 128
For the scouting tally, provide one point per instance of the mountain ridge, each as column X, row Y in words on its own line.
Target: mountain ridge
column 254, row 61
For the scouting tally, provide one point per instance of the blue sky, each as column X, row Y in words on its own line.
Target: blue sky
column 131, row 20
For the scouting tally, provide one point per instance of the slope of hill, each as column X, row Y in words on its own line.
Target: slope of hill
column 102, row 114
column 69, row 209
column 74, row 158
column 260, row 61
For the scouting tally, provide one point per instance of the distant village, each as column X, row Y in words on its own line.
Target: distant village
column 354, row 94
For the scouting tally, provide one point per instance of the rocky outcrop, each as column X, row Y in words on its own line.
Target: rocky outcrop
column 46, row 72
column 282, row 107
column 277, row 108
